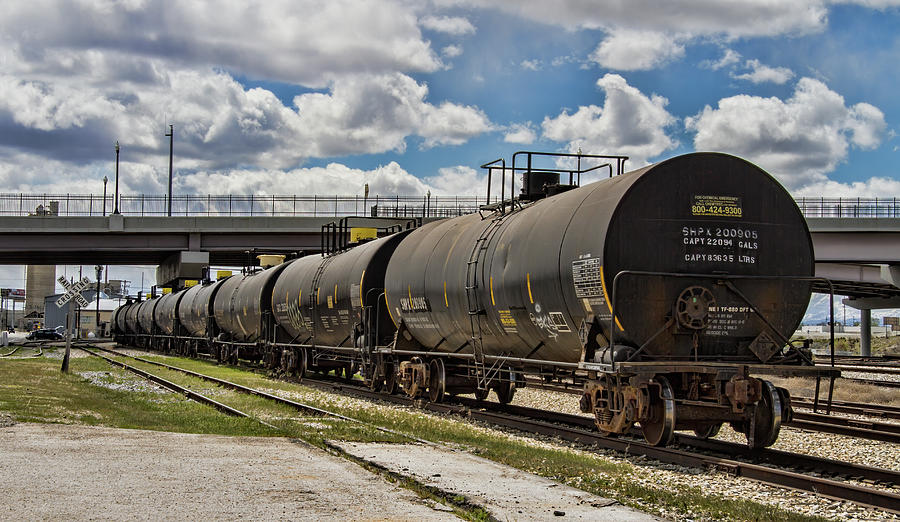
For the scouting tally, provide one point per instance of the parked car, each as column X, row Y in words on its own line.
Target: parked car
column 44, row 333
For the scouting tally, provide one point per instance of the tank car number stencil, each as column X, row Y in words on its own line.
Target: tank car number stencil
column 718, row 206
column 587, row 277
column 507, row 321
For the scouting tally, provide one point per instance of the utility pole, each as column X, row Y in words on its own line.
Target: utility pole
column 171, row 135
column 116, row 211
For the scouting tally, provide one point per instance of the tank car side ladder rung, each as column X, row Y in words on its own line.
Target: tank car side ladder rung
column 475, row 308
column 313, row 295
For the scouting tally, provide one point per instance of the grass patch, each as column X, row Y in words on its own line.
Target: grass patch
column 35, row 390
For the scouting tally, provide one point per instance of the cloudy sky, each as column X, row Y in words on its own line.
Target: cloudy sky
column 309, row 96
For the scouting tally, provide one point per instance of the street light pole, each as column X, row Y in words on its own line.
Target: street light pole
column 105, row 179
column 171, row 135
column 116, row 211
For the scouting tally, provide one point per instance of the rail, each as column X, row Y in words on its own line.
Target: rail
column 15, row 204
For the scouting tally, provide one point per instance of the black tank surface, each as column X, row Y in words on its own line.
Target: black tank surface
column 118, row 319
column 131, row 318
column 329, row 307
column 545, row 274
column 242, row 301
column 292, row 287
column 145, row 314
column 195, row 307
column 166, row 311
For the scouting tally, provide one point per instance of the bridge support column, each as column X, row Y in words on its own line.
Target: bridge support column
column 865, row 332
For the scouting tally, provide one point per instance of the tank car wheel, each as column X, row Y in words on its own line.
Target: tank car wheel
column 766, row 422
column 301, row 363
column 390, row 379
column 709, row 431
column 506, row 390
column 437, row 381
column 481, row 394
column 287, row 361
column 659, row 428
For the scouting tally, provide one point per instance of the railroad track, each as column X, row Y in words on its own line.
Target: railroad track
column 874, row 382
column 575, row 429
column 855, row 408
column 863, row 429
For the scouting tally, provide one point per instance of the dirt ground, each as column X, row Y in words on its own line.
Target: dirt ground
column 80, row 472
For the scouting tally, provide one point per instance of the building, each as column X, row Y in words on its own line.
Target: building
column 55, row 316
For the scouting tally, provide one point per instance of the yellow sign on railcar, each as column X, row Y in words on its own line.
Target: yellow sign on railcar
column 190, row 282
column 222, row 274
column 166, row 291
column 358, row 234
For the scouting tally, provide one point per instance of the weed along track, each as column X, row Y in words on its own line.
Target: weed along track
column 202, row 399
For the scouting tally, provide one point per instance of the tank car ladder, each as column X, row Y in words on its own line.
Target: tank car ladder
column 476, row 310
column 314, row 296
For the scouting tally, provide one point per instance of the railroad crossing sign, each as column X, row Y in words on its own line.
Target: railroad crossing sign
column 73, row 291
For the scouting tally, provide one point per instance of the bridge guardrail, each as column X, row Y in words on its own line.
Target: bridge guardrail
column 337, row 205
column 239, row 205
column 849, row 207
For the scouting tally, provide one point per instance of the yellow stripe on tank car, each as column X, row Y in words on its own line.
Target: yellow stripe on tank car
column 606, row 297
column 317, row 294
column 491, row 281
column 409, row 294
column 361, row 305
column 335, row 294
column 447, row 304
column 528, row 283
column 387, row 304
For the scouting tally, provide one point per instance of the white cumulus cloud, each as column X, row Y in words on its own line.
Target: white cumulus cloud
column 523, row 133
column 629, row 123
column 799, row 139
column 760, row 73
column 729, row 57
column 303, row 41
column 454, row 25
column 876, row 187
column 629, row 50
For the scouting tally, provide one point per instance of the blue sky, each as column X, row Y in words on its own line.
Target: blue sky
column 323, row 96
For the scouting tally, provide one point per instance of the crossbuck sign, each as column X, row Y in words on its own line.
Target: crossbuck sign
column 73, row 291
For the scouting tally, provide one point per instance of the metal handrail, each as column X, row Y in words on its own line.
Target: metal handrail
column 238, row 205
column 16, row 204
